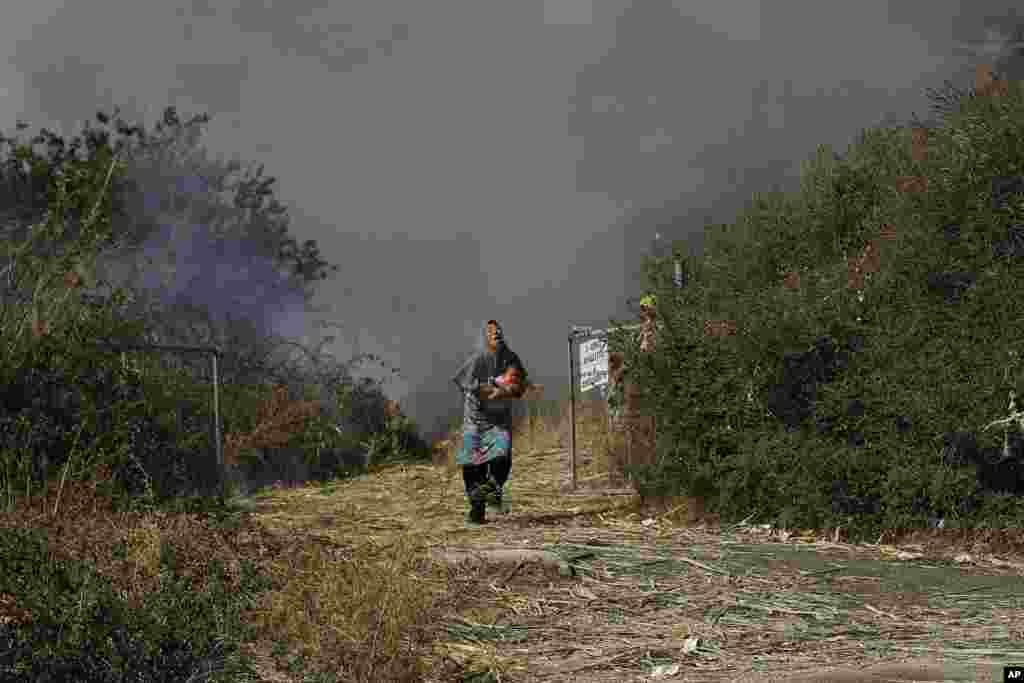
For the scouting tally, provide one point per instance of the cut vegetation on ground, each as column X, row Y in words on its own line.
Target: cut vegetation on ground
column 605, row 588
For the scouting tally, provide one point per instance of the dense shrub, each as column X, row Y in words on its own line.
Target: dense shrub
column 75, row 626
column 875, row 310
column 102, row 408
column 165, row 602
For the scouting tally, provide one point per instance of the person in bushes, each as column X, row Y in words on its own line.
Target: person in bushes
column 625, row 413
column 491, row 377
column 648, row 323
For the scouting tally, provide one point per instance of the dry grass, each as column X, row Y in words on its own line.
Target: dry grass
column 367, row 583
column 358, row 612
column 87, row 528
column 351, row 611
column 911, row 184
column 359, row 590
column 649, row 589
column 791, row 280
column 987, row 84
column 379, row 589
column 278, row 418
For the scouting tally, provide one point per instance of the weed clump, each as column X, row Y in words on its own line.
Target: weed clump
column 66, row 616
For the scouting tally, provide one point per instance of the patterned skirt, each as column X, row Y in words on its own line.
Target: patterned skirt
column 483, row 444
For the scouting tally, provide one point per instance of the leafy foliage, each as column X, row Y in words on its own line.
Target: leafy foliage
column 73, row 416
column 87, row 193
column 235, row 199
column 72, row 623
column 873, row 310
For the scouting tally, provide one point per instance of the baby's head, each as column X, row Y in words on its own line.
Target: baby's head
column 511, row 375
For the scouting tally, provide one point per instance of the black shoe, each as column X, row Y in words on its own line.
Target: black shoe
column 477, row 506
column 498, row 503
column 476, row 514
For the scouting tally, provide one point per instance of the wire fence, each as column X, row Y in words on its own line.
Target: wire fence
column 186, row 396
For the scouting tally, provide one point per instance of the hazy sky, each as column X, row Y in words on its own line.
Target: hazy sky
column 462, row 160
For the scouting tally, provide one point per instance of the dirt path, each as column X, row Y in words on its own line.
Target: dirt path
column 634, row 597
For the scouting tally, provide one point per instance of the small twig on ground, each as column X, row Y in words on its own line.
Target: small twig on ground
column 515, row 570
column 880, row 612
column 701, row 565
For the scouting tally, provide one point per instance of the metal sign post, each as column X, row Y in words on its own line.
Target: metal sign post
column 575, row 333
column 598, row 377
column 572, row 410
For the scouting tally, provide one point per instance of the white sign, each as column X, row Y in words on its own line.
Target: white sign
column 593, row 364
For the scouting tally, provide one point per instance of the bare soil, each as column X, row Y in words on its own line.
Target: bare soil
column 611, row 588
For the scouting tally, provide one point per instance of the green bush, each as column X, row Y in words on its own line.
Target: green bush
column 62, row 198
column 71, row 412
column 49, row 326
column 928, row 340
column 80, row 629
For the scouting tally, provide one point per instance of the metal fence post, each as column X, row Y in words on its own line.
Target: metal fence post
column 575, row 333
column 218, row 449
column 572, row 412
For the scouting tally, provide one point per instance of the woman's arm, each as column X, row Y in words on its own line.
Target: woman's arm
column 517, row 390
column 488, row 392
column 467, row 379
